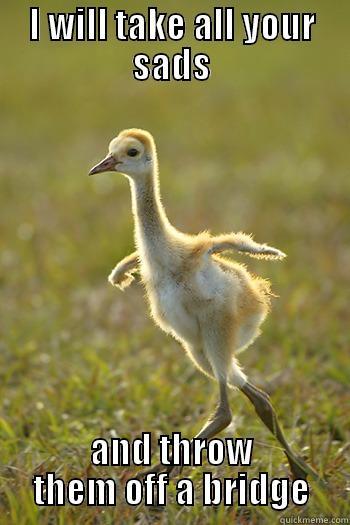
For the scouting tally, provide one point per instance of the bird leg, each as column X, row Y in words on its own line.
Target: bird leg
column 268, row 416
column 219, row 420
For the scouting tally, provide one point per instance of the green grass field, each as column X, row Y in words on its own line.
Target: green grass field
column 263, row 147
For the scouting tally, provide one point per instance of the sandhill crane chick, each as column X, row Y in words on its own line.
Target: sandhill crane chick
column 211, row 305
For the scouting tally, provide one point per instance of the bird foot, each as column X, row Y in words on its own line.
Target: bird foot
column 301, row 470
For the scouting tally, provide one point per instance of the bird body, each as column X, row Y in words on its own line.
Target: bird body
column 213, row 306
column 191, row 292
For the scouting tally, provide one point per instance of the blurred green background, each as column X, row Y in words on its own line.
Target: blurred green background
column 263, row 146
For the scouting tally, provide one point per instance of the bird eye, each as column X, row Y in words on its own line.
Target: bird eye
column 132, row 152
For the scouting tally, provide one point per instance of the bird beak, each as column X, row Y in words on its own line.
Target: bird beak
column 107, row 164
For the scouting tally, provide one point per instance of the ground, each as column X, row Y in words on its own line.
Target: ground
column 263, row 147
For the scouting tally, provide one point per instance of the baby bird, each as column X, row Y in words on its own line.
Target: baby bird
column 211, row 305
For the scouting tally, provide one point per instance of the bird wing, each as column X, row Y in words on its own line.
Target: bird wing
column 244, row 243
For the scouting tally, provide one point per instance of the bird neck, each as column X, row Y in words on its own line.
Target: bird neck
column 152, row 226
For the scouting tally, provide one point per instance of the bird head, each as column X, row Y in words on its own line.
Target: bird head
column 131, row 153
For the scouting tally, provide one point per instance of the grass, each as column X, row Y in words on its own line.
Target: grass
column 263, row 147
